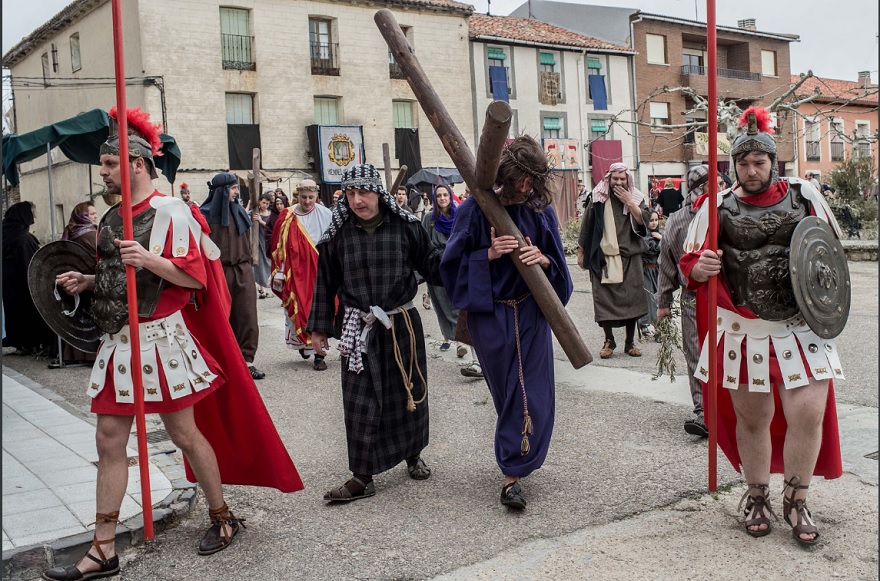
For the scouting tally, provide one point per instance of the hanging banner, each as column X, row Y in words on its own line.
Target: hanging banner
column 341, row 147
column 564, row 153
column 701, row 144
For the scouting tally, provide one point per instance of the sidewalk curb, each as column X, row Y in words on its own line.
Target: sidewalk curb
column 24, row 563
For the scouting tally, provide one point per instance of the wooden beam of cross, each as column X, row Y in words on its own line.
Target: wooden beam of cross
column 479, row 175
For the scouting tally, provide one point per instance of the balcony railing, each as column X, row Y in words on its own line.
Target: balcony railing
column 688, row 70
column 836, row 151
column 325, row 58
column 238, row 52
column 394, row 71
column 813, row 151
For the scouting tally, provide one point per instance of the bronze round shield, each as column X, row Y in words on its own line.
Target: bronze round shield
column 71, row 321
column 820, row 277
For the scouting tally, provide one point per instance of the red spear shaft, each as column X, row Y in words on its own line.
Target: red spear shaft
column 134, row 335
column 712, row 238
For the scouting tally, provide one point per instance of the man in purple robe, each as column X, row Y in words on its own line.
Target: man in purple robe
column 480, row 277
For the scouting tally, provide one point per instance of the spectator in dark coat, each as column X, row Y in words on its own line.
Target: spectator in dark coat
column 669, row 199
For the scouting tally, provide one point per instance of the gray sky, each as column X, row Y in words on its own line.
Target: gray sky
column 838, row 39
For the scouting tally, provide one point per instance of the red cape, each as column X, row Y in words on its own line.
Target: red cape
column 829, row 463
column 300, row 259
column 234, row 418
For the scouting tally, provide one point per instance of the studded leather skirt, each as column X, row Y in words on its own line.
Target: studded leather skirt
column 176, row 371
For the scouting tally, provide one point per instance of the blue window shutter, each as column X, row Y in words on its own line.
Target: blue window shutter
column 597, row 90
column 552, row 124
column 498, row 82
column 547, row 58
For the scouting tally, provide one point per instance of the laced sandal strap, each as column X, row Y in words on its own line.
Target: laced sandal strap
column 223, row 515
column 97, row 544
column 762, row 500
column 104, row 518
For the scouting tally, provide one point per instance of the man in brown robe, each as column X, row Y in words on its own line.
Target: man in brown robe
column 610, row 245
column 229, row 223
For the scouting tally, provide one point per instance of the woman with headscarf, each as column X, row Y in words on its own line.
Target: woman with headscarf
column 82, row 228
column 278, row 204
column 25, row 329
column 438, row 223
column 230, row 225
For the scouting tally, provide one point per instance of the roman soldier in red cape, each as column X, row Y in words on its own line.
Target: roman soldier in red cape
column 193, row 373
column 776, row 356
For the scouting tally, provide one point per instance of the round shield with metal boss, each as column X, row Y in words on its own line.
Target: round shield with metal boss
column 69, row 316
column 820, row 277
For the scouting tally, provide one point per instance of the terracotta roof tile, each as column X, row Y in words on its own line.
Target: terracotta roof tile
column 531, row 30
column 442, row 4
column 836, row 90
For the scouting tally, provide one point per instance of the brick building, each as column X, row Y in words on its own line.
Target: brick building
column 841, row 123
column 252, row 72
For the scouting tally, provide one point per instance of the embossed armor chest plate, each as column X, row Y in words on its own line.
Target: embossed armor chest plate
column 111, row 302
column 755, row 241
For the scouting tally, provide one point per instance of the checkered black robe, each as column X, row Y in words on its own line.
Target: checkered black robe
column 378, row 269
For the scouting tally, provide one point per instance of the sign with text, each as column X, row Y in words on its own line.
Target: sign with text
column 341, row 147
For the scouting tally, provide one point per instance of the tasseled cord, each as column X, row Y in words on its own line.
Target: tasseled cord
column 407, row 376
column 527, row 429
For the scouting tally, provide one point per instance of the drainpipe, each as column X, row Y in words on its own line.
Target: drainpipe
column 632, row 80
column 580, row 73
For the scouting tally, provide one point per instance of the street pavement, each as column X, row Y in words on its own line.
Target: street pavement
column 623, row 492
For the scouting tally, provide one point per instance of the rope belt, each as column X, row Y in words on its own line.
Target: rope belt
column 527, row 420
column 404, row 374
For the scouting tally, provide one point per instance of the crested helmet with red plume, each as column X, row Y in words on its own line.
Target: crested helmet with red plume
column 143, row 137
column 756, row 137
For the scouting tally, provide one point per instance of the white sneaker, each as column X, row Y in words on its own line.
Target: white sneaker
column 472, row 370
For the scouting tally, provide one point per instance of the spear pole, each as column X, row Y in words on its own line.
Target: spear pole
column 712, row 237
column 127, row 229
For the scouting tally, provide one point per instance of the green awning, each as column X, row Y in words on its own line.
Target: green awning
column 496, row 54
column 594, row 62
column 552, row 123
column 598, row 126
column 79, row 138
column 547, row 58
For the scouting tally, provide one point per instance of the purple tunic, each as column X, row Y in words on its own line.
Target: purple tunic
column 474, row 284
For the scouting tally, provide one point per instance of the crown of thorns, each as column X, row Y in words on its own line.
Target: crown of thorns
column 508, row 155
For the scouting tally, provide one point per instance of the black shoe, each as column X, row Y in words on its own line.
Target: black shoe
column 319, row 363
column 256, row 373
column 696, row 427
column 107, row 568
column 214, row 540
column 511, row 496
column 303, row 354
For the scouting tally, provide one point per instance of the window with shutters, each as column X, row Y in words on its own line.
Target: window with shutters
column 768, row 63
column 550, row 77
column 323, row 48
column 659, row 117
column 236, row 41
column 500, row 56
column 75, row 56
column 656, row 45
column 812, row 131
column 553, row 125
column 242, row 129
column 597, row 75
column 404, row 117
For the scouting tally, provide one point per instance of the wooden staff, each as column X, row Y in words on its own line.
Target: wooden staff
column 254, row 204
column 398, row 180
column 463, row 158
column 386, row 159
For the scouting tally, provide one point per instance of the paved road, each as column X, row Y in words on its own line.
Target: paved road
column 623, row 491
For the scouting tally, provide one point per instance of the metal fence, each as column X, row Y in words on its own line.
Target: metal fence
column 238, row 52
column 325, row 58
column 688, row 70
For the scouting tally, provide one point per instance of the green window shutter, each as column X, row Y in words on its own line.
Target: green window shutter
column 496, row 54
column 547, row 58
column 552, row 123
column 593, row 63
column 598, row 126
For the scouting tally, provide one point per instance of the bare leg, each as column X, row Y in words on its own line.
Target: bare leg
column 181, row 426
column 804, row 408
column 111, row 438
column 754, row 411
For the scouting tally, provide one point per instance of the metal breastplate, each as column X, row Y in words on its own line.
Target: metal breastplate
column 756, row 242
column 110, row 308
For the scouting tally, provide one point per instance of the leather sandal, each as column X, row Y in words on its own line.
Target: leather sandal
column 757, row 507
column 216, row 539
column 511, row 496
column 106, row 567
column 419, row 470
column 789, row 503
column 608, row 349
column 345, row 494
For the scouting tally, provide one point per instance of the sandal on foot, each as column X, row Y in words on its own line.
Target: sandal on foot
column 320, row 365
column 608, row 349
column 419, row 470
column 354, row 489
column 757, row 507
column 804, row 517
column 106, row 567
column 216, row 539
column 511, row 496
column 460, row 350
